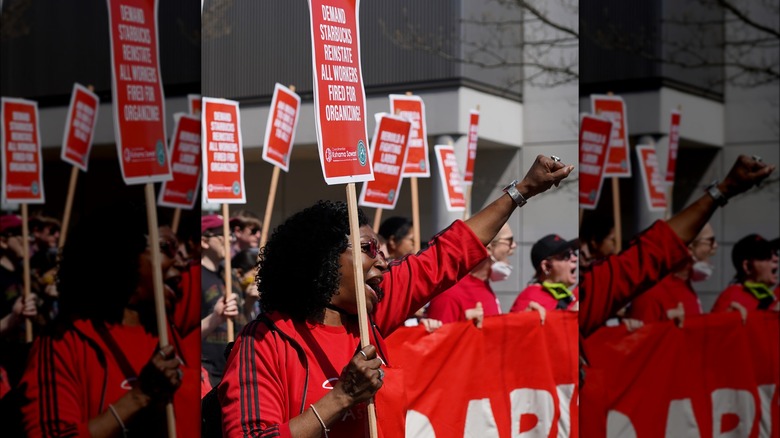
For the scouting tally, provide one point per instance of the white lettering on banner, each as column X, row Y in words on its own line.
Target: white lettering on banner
column 16, row 126
column 190, row 137
column 187, row 158
column 135, row 34
column 536, row 402
column 185, row 169
column 219, row 126
column 681, row 420
column 336, row 34
column 144, row 113
column 23, row 167
column 21, row 136
column 342, row 113
column 224, row 167
column 337, row 53
column 222, row 117
column 479, row 420
column 136, row 53
column 189, row 148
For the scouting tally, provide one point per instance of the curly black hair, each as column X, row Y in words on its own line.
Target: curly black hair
column 99, row 264
column 298, row 269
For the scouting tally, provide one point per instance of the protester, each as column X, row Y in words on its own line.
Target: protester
column 756, row 262
column 472, row 298
column 245, row 227
column 283, row 373
column 659, row 250
column 674, row 297
column 597, row 238
column 99, row 371
column 215, row 308
column 398, row 232
column 555, row 262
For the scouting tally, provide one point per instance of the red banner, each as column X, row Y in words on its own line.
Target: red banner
column 185, row 164
column 653, row 183
column 280, row 129
column 413, row 109
column 80, row 127
column 468, row 176
column 339, row 97
column 674, row 141
column 388, row 152
column 139, row 103
column 613, row 108
column 451, row 181
column 22, row 163
column 223, row 155
column 594, row 141
column 713, row 378
column 514, row 377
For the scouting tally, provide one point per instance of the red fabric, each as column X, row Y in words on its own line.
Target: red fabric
column 643, row 380
column 652, row 305
column 611, row 283
column 735, row 292
column 265, row 382
column 452, row 304
column 65, row 375
column 459, row 380
column 186, row 315
column 536, row 292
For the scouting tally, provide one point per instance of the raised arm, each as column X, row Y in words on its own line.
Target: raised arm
column 543, row 174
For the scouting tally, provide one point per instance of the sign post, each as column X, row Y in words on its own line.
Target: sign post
column 22, row 176
column 450, row 177
column 339, row 113
column 278, row 142
column 618, row 163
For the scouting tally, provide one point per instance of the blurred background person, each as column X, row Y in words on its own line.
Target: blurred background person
column 756, row 262
column 555, row 262
column 398, row 233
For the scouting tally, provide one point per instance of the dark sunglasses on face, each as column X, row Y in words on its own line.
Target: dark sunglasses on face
column 565, row 255
column 371, row 248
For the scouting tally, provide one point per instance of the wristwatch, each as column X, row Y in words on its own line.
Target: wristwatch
column 513, row 193
column 716, row 194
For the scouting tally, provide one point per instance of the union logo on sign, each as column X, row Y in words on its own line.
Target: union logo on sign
column 236, row 188
column 328, row 155
column 160, row 153
column 361, row 150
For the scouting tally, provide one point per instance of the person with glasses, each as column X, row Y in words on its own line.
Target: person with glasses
column 756, row 262
column 555, row 261
column 98, row 369
column 472, row 298
column 674, row 297
column 298, row 369
column 245, row 227
column 214, row 306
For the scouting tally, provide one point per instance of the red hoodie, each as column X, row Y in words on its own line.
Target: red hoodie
column 277, row 368
column 71, row 377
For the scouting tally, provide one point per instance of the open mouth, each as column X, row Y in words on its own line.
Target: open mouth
column 374, row 283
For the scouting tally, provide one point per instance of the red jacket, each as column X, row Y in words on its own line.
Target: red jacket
column 611, row 283
column 653, row 304
column 535, row 292
column 277, row 368
column 451, row 305
column 736, row 292
column 71, row 377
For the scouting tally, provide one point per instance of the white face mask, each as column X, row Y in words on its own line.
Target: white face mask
column 500, row 271
column 701, row 271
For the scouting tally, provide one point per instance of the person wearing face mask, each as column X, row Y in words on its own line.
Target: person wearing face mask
column 674, row 296
column 472, row 298
column 756, row 262
column 555, row 261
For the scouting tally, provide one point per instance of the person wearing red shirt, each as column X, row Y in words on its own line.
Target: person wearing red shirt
column 472, row 298
column 674, row 297
column 99, row 371
column 755, row 260
column 298, row 370
column 555, row 262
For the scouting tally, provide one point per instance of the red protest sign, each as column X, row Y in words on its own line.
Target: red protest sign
column 388, row 152
column 194, row 103
column 468, row 176
column 185, row 164
column 652, row 181
column 80, row 127
column 139, row 104
column 339, row 97
column 674, row 141
column 413, row 109
column 594, row 142
column 280, row 129
column 614, row 108
column 21, row 154
column 223, row 157
column 451, row 182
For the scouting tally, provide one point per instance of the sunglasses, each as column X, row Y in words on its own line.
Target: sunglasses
column 371, row 248
column 508, row 240
column 565, row 255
